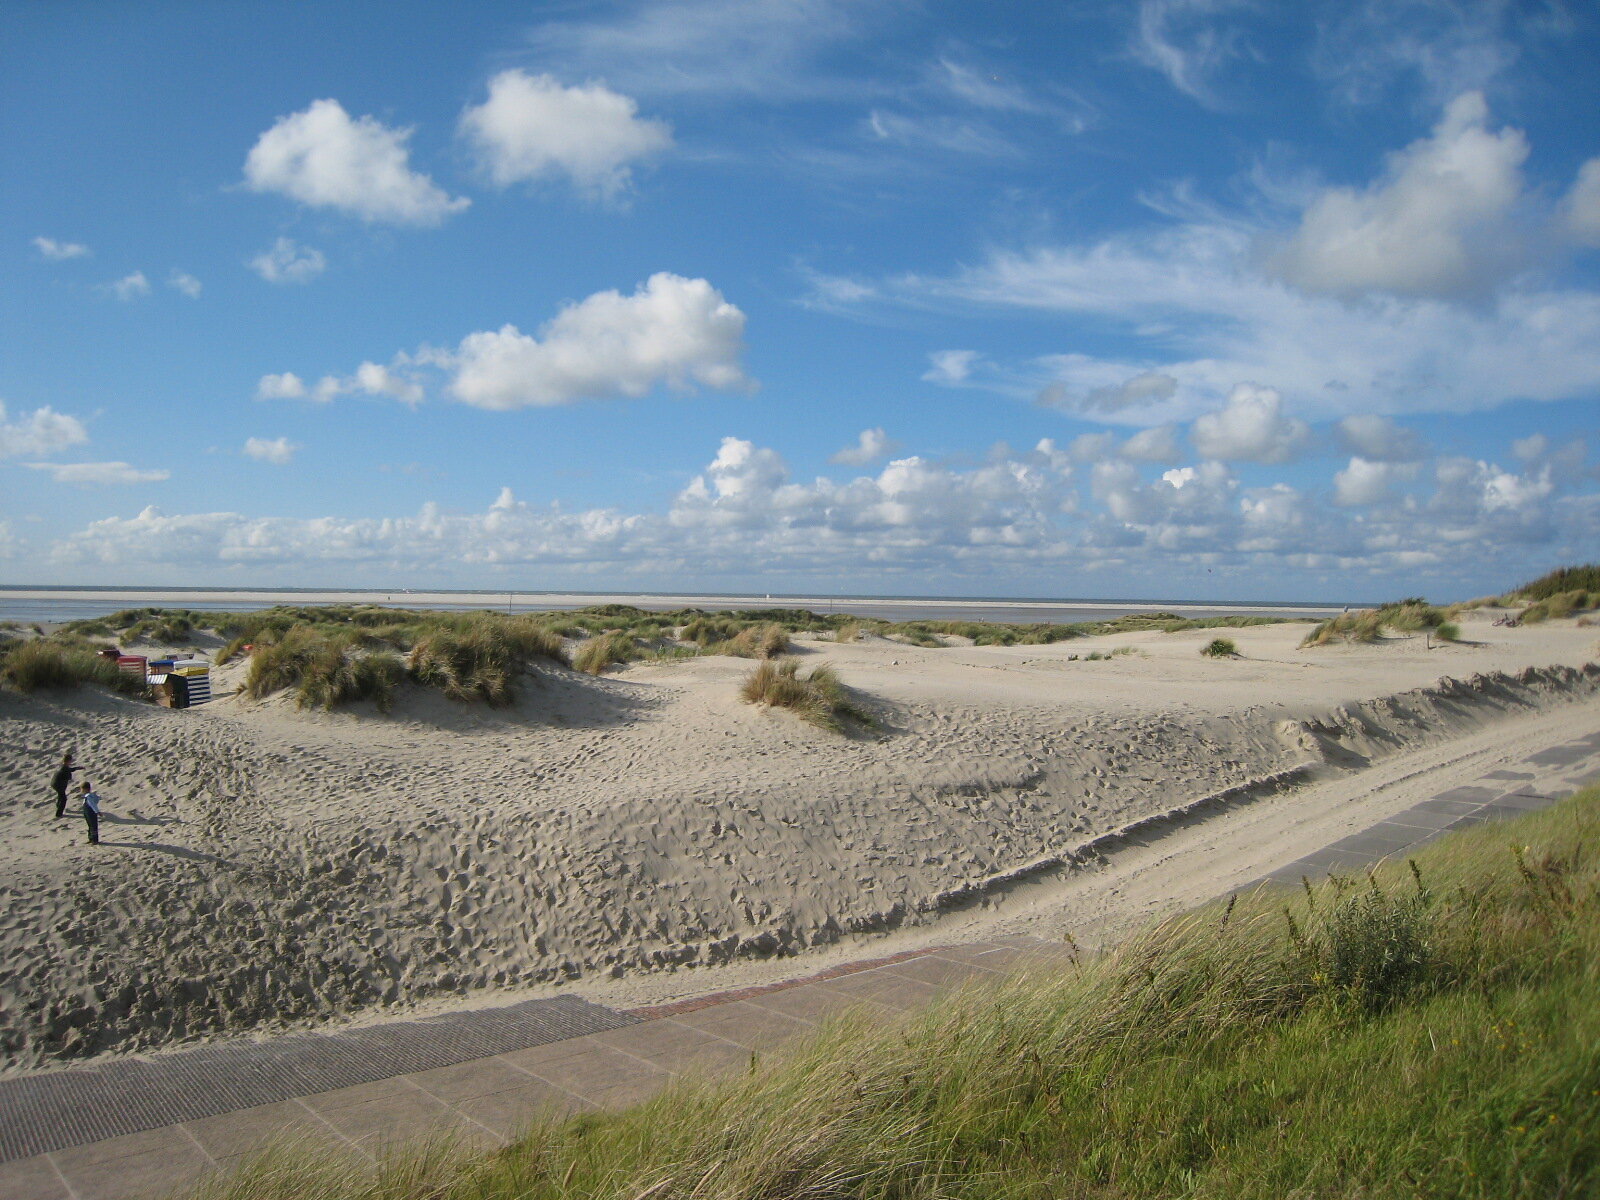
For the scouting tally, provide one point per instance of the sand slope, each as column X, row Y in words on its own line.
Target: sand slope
column 266, row 866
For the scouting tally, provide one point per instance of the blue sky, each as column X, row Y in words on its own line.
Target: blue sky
column 1179, row 298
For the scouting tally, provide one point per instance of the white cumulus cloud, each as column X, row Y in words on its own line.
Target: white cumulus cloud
column 1378, row 439
column 1158, row 444
column 289, row 262
column 323, row 158
column 1582, row 207
column 532, row 128
column 43, row 431
column 1251, row 427
column 871, row 445
column 130, row 287
column 186, row 283
column 1434, row 225
column 1365, row 482
column 57, row 251
column 277, row 451
column 287, row 386
column 99, row 474
column 673, row 331
column 950, row 366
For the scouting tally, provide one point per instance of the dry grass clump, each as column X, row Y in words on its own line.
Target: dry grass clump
column 849, row 631
column 767, row 640
column 598, row 653
column 1220, row 648
column 819, row 697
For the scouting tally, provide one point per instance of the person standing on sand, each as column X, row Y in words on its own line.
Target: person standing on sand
column 61, row 781
column 91, row 813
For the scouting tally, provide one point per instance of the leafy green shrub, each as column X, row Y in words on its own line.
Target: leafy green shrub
column 1220, row 648
column 598, row 653
column 819, row 697
column 1448, row 631
column 1372, row 948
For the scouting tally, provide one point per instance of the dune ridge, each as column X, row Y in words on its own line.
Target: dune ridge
column 280, row 868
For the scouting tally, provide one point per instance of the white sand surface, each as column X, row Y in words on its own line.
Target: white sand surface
column 646, row 836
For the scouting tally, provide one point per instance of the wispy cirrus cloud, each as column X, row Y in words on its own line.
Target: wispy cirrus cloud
column 100, row 474
column 55, row 251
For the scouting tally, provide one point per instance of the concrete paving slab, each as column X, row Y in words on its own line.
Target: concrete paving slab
column 747, row 1025
column 535, row 1057
column 1471, row 794
column 973, row 952
column 151, row 1176
column 466, row 1081
column 376, row 1124
column 941, row 972
column 1441, row 804
column 1424, row 819
column 361, row 1093
column 813, row 1003
column 630, row 1093
column 229, row 1135
column 511, row 1113
column 594, row 1073
column 881, row 987
column 1522, row 801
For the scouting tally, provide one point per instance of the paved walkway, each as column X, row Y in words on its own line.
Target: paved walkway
column 483, row 1076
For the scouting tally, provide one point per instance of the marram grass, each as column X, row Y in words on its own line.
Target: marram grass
column 1429, row 1031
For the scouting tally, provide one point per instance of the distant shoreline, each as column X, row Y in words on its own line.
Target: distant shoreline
column 888, row 607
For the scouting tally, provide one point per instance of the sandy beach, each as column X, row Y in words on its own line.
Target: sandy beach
column 645, row 835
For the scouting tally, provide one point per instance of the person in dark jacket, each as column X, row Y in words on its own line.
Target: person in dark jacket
column 61, row 781
column 91, row 812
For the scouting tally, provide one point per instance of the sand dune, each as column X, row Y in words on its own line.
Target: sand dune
column 266, row 866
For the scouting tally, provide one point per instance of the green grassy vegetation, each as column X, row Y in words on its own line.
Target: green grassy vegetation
column 1107, row 655
column 1220, row 648
column 1428, row 1031
column 817, row 697
column 1563, row 579
column 324, row 670
column 1447, row 631
column 1414, row 615
column 999, row 633
column 606, row 650
column 1558, row 593
column 51, row 664
column 473, row 657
